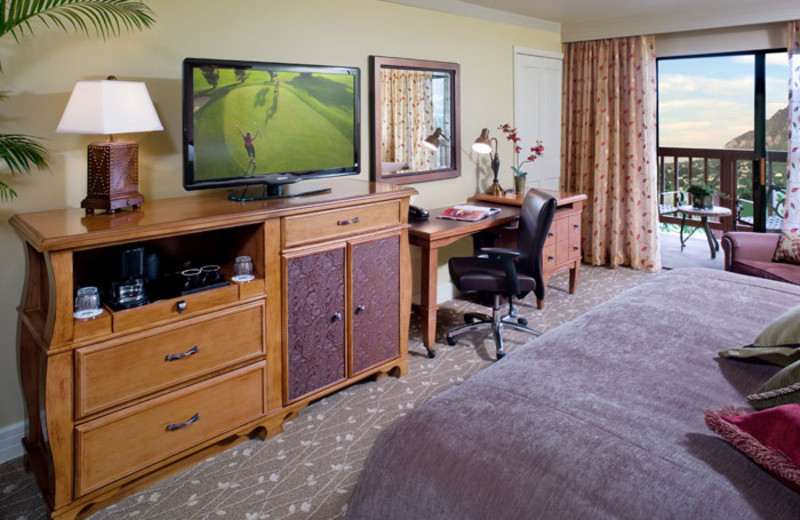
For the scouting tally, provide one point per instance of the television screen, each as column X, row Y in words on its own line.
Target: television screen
column 268, row 123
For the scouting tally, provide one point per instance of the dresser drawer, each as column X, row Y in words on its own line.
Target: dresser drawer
column 163, row 310
column 111, row 374
column 117, row 445
column 327, row 225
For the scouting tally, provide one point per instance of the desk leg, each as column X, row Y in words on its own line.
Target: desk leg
column 573, row 277
column 712, row 240
column 427, row 304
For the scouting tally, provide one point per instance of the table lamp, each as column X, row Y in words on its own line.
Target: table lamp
column 483, row 145
column 432, row 141
column 110, row 107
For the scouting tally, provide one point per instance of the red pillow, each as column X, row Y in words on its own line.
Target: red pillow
column 788, row 248
column 770, row 437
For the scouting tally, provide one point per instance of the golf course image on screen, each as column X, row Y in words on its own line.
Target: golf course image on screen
column 251, row 122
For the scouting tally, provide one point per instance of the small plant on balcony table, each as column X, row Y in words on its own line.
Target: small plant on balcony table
column 702, row 195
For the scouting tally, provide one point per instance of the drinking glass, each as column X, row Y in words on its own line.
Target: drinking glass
column 243, row 269
column 87, row 303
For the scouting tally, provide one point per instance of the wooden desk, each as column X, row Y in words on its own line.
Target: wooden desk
column 562, row 250
column 434, row 233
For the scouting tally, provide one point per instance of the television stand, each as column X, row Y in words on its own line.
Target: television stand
column 275, row 187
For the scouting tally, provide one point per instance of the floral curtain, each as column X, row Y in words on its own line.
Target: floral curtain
column 792, row 202
column 407, row 117
column 609, row 148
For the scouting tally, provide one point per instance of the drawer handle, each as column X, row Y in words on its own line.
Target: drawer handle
column 336, row 317
column 193, row 350
column 173, row 427
column 181, row 306
column 576, row 248
column 551, row 234
column 551, row 258
column 360, row 309
column 353, row 220
column 576, row 226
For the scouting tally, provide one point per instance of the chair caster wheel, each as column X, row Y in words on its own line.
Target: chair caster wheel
column 522, row 321
column 500, row 355
column 451, row 340
column 431, row 353
column 469, row 319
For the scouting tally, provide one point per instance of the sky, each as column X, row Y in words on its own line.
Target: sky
column 706, row 102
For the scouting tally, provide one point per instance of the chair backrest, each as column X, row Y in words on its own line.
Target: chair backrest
column 535, row 218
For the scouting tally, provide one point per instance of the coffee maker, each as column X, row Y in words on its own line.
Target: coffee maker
column 129, row 289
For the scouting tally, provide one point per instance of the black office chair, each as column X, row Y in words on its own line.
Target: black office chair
column 505, row 272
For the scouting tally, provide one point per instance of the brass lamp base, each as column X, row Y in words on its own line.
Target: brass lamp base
column 495, row 189
column 113, row 177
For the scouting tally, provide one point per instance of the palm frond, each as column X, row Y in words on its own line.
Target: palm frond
column 6, row 192
column 103, row 17
column 21, row 153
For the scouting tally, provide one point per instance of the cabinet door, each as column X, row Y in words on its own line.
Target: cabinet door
column 375, row 302
column 315, row 322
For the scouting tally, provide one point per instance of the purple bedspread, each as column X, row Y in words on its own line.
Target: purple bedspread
column 599, row 418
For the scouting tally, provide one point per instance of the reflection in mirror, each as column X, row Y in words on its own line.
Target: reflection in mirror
column 414, row 110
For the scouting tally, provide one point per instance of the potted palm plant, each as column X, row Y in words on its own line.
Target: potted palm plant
column 105, row 18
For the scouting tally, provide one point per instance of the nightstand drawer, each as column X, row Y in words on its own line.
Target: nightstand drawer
column 327, row 225
column 156, row 362
column 119, row 444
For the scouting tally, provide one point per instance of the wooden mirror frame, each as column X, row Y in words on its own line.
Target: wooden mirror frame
column 376, row 64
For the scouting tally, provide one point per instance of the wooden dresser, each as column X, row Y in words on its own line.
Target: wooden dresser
column 562, row 250
column 132, row 395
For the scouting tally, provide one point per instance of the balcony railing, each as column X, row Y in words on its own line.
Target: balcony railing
column 728, row 171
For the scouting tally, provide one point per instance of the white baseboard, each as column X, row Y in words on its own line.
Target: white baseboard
column 11, row 441
column 444, row 292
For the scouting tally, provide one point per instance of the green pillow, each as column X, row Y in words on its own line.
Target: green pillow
column 783, row 388
column 779, row 343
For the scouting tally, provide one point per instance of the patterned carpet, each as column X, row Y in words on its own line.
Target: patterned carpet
column 310, row 470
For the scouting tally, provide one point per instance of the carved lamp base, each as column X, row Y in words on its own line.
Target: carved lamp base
column 113, row 176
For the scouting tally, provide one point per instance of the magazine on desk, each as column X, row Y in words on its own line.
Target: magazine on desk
column 469, row 213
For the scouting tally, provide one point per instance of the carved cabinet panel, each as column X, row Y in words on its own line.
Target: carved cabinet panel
column 375, row 302
column 315, row 321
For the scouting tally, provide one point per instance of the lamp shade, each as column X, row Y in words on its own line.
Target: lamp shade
column 482, row 144
column 109, row 107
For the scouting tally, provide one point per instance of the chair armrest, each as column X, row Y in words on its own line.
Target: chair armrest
column 743, row 245
column 499, row 252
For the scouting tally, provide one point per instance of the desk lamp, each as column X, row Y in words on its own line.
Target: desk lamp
column 432, row 141
column 110, row 107
column 483, row 145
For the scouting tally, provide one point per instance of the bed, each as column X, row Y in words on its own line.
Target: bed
column 601, row 417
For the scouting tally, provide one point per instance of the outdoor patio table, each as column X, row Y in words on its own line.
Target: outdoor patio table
column 715, row 211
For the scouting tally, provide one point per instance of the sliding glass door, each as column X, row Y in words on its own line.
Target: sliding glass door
column 723, row 121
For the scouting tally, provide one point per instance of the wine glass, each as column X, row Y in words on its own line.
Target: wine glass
column 87, row 303
column 243, row 269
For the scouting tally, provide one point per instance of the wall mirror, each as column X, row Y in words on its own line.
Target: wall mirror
column 414, row 119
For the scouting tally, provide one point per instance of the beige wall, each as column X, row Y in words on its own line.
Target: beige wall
column 41, row 71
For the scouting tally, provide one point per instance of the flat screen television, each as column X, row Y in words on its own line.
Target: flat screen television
column 261, row 126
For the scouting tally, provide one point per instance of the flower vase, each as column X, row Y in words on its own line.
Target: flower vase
column 519, row 183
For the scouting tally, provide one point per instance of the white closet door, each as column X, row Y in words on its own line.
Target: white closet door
column 537, row 112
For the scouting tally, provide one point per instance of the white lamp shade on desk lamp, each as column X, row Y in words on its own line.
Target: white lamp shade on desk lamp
column 111, row 107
